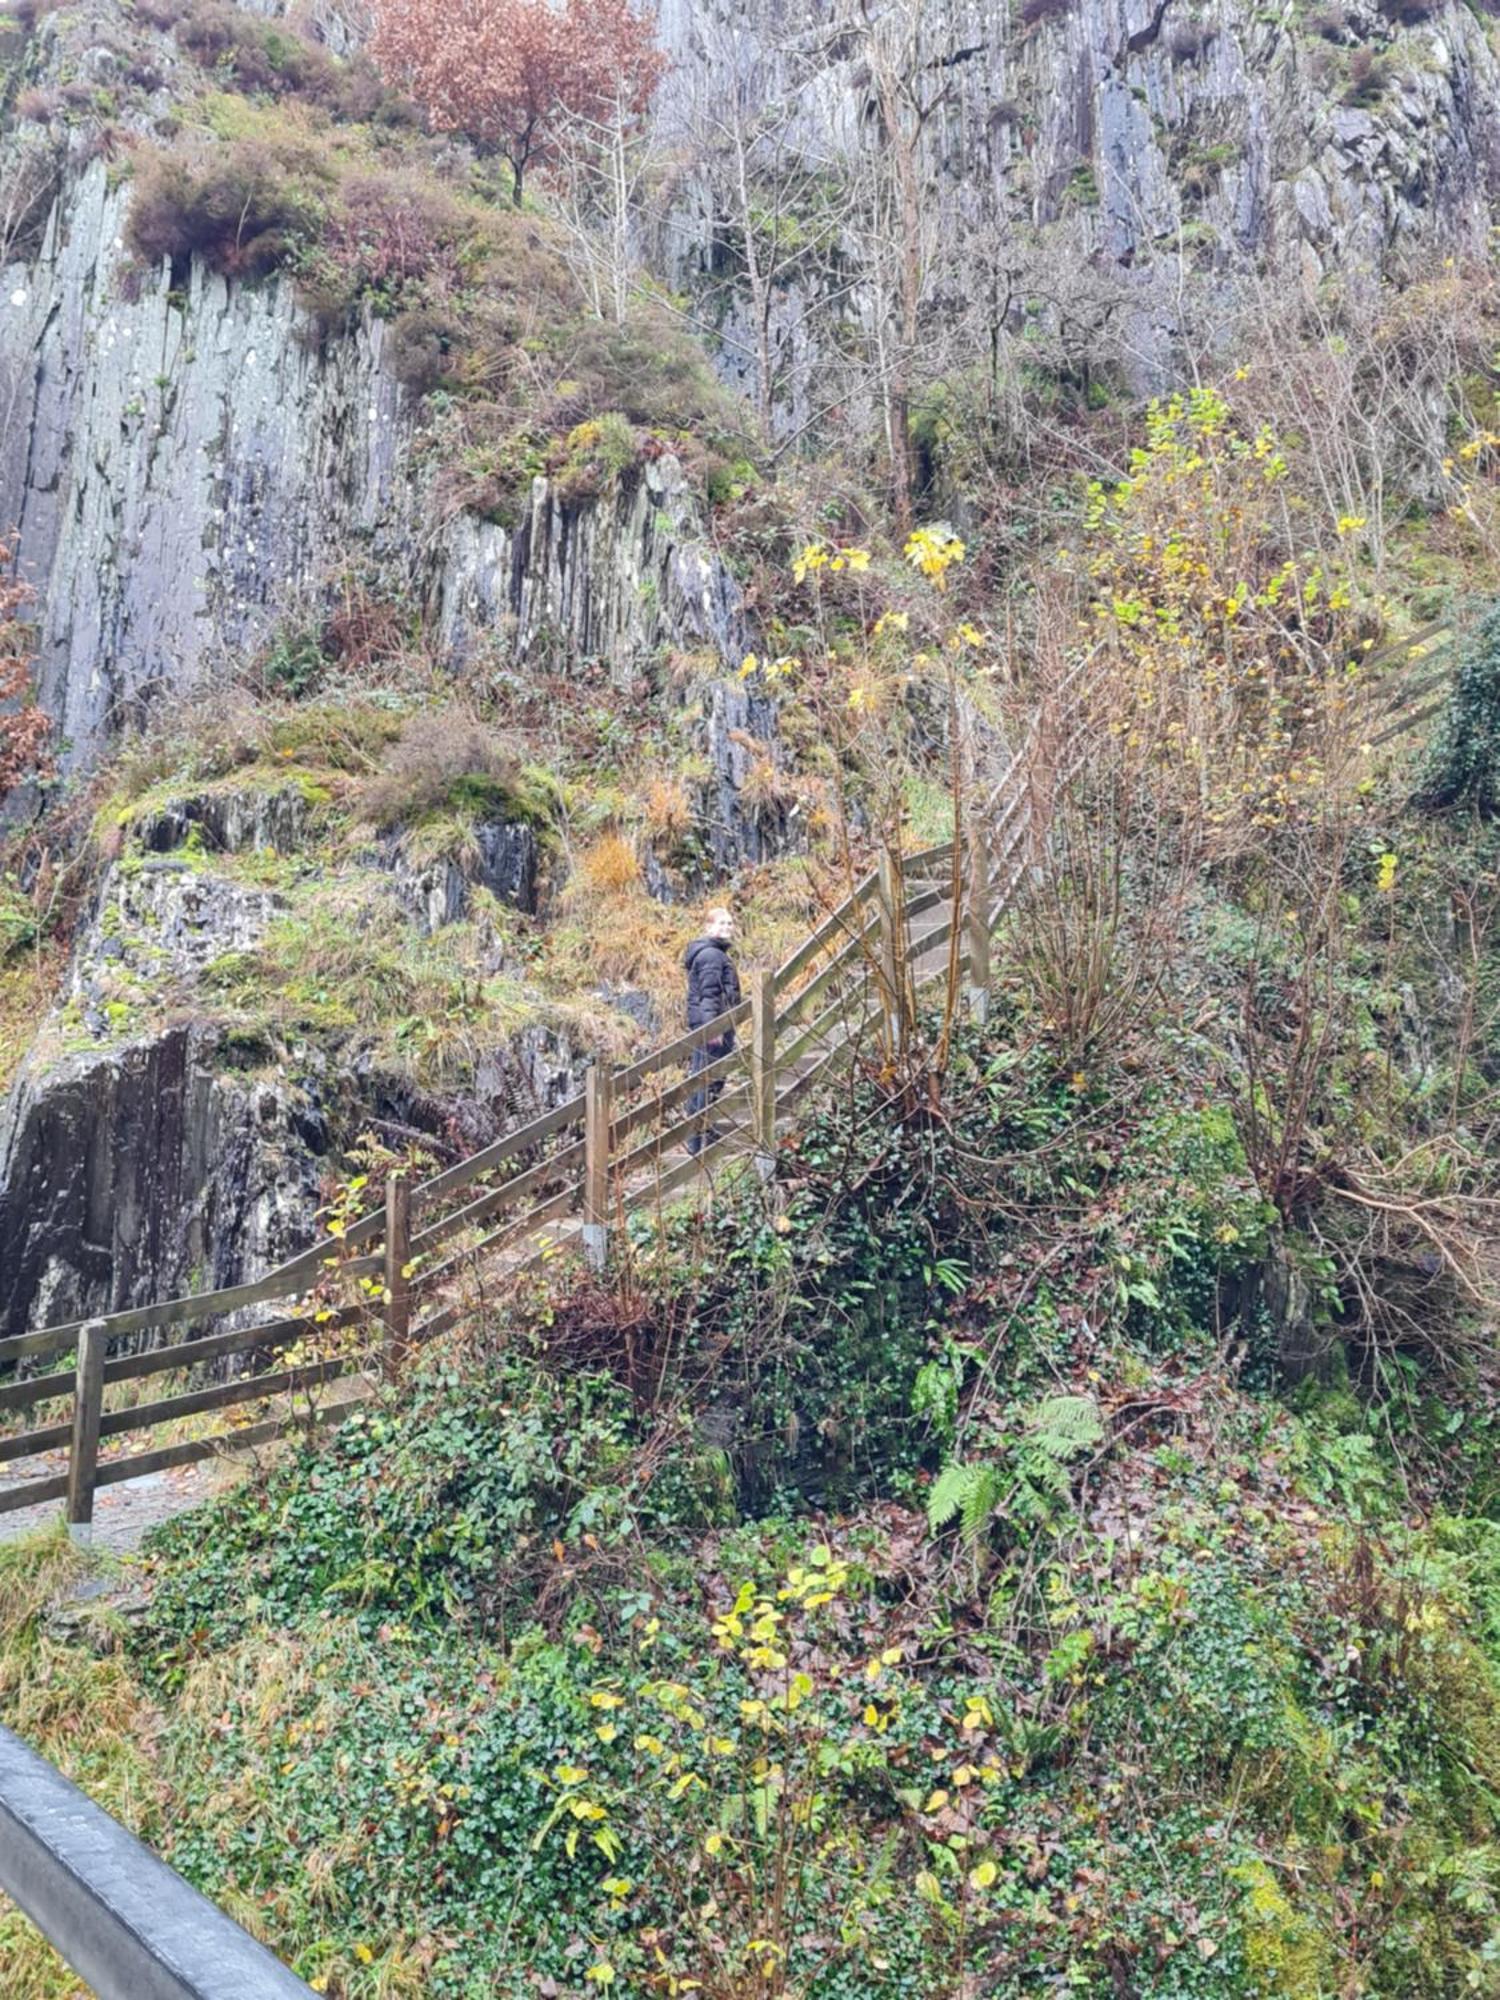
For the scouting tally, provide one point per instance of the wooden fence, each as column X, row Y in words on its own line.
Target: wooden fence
column 568, row 1178
column 565, row 1179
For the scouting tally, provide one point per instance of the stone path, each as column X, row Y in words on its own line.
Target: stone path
column 124, row 1514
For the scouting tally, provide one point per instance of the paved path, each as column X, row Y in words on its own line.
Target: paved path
column 124, row 1514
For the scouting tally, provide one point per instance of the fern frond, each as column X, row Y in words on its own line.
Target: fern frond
column 980, row 1502
column 1060, row 1427
column 949, row 1491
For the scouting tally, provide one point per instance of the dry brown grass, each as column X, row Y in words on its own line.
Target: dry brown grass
column 440, row 752
column 609, row 866
column 30, row 980
column 668, row 809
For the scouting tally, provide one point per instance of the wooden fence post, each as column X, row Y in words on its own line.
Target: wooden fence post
column 979, row 918
column 763, row 1068
column 397, row 1310
column 88, row 1403
column 596, row 1122
column 892, row 953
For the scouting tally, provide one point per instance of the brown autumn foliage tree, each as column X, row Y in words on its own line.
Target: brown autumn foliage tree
column 23, row 726
column 511, row 73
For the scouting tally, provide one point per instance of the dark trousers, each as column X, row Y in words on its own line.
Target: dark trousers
column 704, row 1095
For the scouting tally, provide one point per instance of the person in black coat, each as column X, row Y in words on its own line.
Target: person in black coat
column 713, row 987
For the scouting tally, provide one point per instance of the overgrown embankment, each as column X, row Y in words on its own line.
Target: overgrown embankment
column 908, row 1578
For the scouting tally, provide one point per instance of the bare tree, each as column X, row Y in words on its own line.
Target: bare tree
column 604, row 164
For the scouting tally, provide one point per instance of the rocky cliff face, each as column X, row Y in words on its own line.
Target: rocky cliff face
column 184, row 465
column 158, row 1140
column 190, row 463
column 1113, row 168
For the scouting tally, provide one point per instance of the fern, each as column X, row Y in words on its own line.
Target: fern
column 1059, row 1427
column 980, row 1502
column 947, row 1496
column 971, row 1494
column 1056, row 1430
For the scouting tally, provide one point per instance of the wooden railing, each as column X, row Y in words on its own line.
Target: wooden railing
column 566, row 1178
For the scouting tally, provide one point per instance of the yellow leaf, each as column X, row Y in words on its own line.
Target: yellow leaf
column 364, row 1954
column 982, row 1876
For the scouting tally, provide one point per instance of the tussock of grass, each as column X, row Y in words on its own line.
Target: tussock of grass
column 232, row 734
column 448, row 762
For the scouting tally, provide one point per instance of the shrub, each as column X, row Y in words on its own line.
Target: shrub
column 253, row 54
column 160, row 14
column 1330, row 23
column 649, row 374
column 1368, row 76
column 598, row 451
column 610, row 867
column 446, row 760
column 38, row 107
column 1463, row 767
column 242, row 207
column 24, row 727
column 1190, row 40
column 277, row 193
column 294, row 663
column 420, row 349
column 261, row 57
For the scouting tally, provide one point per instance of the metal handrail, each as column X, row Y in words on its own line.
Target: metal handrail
column 129, row 1926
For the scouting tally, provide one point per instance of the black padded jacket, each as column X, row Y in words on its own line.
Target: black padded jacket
column 713, row 983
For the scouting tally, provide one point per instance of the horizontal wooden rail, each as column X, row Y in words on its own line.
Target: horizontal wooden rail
column 191, row 1353
column 860, row 948
column 681, row 1049
column 806, row 1019
column 466, row 1172
column 225, row 1395
column 36, row 1389
column 626, row 1122
column 191, row 1451
column 485, row 1205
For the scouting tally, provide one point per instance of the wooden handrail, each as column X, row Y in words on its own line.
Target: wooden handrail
column 677, row 1051
column 642, row 1130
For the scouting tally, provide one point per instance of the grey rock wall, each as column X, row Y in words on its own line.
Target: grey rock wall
column 180, row 465
column 138, row 1171
column 143, row 1162
column 1128, row 162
